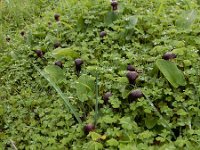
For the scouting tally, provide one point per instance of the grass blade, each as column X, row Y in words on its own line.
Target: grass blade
column 96, row 104
column 60, row 93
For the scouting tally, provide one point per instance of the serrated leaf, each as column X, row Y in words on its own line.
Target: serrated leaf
column 65, row 52
column 85, row 87
column 171, row 73
column 115, row 102
column 56, row 73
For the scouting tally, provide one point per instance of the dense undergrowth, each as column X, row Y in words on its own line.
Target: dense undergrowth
column 33, row 113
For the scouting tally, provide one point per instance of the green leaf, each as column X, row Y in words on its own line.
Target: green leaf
column 150, row 122
column 115, row 102
column 182, row 112
column 180, row 51
column 95, row 136
column 126, row 123
column 112, row 142
column 132, row 21
column 127, row 146
column 110, row 17
column 108, row 119
column 186, row 19
column 39, row 34
column 65, row 52
column 92, row 145
column 1, row 110
column 85, row 87
column 56, row 73
column 171, row 73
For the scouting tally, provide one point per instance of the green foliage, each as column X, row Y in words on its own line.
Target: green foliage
column 85, row 88
column 65, row 52
column 186, row 19
column 69, row 106
column 36, row 116
column 55, row 73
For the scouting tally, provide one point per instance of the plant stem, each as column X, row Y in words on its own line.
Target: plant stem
column 13, row 145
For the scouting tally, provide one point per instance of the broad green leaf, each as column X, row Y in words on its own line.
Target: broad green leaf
column 180, row 51
column 56, row 73
column 171, row 73
column 65, row 52
column 132, row 21
column 85, row 87
column 108, row 119
column 95, row 136
column 150, row 122
column 186, row 19
column 110, row 17
column 112, row 142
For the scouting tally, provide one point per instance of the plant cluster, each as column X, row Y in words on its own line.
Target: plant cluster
column 103, row 75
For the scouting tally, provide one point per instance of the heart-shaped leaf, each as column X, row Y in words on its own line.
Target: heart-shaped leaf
column 56, row 73
column 171, row 73
column 85, row 87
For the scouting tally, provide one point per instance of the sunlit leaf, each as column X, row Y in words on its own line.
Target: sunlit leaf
column 65, row 52
column 95, row 136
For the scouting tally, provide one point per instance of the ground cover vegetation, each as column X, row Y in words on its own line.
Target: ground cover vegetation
column 100, row 74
